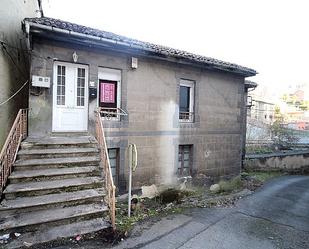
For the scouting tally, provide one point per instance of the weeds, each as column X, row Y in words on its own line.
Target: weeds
column 259, row 149
column 174, row 201
column 264, row 176
column 146, row 209
column 231, row 185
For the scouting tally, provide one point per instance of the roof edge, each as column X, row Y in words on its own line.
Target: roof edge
column 233, row 68
column 250, row 84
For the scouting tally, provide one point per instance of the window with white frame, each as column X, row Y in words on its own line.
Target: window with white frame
column 81, row 77
column 186, row 101
column 60, row 85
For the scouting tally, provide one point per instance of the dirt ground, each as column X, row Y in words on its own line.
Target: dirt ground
column 147, row 212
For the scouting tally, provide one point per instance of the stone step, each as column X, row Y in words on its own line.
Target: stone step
column 23, row 176
column 55, row 153
column 28, row 204
column 34, row 221
column 70, row 134
column 59, row 142
column 56, row 233
column 50, row 187
column 55, row 163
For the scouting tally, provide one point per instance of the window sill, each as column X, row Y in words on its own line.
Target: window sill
column 186, row 121
column 186, row 117
column 111, row 119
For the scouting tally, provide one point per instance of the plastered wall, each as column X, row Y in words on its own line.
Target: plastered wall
column 150, row 94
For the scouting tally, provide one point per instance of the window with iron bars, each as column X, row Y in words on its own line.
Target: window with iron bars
column 186, row 101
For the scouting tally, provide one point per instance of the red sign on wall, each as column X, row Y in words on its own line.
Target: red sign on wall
column 107, row 93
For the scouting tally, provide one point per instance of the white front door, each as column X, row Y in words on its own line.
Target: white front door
column 70, row 97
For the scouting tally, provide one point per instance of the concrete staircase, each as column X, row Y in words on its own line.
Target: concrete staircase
column 56, row 191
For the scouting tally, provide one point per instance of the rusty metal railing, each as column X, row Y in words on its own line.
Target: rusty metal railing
column 109, row 113
column 9, row 150
column 109, row 182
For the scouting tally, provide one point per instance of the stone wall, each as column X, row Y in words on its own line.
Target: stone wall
column 293, row 162
column 150, row 94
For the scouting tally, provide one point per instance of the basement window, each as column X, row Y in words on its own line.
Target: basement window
column 113, row 155
column 186, row 101
column 185, row 159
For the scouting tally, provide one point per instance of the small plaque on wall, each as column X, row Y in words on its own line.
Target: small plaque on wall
column 40, row 81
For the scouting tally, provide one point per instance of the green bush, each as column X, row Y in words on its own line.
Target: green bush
column 231, row 185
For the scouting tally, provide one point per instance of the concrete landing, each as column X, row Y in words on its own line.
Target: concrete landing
column 31, row 142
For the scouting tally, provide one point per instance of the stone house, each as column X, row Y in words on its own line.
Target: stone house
column 14, row 60
column 184, row 112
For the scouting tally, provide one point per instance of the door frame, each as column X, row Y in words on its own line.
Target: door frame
column 54, row 92
column 110, row 74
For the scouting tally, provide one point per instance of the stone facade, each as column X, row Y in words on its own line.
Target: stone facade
column 14, row 62
column 150, row 94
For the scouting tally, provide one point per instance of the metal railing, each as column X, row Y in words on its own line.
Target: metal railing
column 109, row 182
column 9, row 150
column 112, row 113
column 186, row 116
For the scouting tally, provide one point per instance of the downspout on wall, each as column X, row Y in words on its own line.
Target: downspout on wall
column 40, row 8
column 249, row 86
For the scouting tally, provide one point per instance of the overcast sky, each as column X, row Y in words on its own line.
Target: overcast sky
column 271, row 36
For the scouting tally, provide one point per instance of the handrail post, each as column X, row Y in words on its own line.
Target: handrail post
column 10, row 148
column 109, row 183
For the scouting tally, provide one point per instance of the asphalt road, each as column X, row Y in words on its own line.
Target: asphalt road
column 276, row 216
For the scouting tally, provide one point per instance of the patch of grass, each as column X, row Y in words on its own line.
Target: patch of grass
column 196, row 191
column 264, row 176
column 124, row 223
column 147, row 208
column 231, row 185
column 258, row 150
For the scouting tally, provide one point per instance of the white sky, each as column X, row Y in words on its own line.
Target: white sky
column 271, row 36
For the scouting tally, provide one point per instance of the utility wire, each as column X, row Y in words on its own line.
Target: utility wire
column 4, row 102
column 13, row 61
column 11, row 46
column 3, row 43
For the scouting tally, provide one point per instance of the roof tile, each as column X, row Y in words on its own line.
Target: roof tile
column 163, row 50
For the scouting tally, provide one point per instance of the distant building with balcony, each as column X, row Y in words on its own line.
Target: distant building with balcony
column 261, row 110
